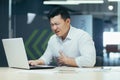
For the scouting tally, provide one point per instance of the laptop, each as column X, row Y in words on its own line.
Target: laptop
column 16, row 54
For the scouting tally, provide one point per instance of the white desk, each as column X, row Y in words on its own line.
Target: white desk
column 59, row 73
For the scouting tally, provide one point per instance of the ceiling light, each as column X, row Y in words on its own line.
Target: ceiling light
column 110, row 7
column 113, row 0
column 71, row 2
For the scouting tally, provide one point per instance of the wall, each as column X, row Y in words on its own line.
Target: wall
column 35, row 34
column 3, row 29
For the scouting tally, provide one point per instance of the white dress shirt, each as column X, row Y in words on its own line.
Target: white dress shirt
column 78, row 44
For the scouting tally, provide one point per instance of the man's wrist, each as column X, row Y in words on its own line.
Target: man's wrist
column 40, row 62
column 70, row 62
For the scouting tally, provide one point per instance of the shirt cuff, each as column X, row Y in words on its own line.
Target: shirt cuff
column 77, row 62
column 45, row 62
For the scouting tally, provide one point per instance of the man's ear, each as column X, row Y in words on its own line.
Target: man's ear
column 68, row 20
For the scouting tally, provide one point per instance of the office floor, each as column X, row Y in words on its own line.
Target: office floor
column 112, row 60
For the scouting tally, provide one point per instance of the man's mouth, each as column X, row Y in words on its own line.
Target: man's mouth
column 56, row 32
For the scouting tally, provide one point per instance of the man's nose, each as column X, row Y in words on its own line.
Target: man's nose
column 54, row 27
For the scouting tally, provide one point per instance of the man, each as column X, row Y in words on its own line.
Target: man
column 69, row 45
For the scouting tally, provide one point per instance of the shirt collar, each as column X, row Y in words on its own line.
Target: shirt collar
column 69, row 36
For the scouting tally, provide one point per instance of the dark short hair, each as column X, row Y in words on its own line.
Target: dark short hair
column 59, row 11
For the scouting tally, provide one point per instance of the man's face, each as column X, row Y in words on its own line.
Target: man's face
column 60, row 26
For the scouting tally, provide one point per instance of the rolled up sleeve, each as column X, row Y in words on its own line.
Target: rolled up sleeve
column 88, row 53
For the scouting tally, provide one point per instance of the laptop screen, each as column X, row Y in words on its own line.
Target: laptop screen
column 15, row 52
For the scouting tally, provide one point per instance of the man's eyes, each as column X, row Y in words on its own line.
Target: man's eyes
column 55, row 24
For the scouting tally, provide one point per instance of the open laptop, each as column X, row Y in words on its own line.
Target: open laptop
column 16, row 54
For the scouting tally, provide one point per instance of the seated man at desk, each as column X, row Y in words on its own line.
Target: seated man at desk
column 68, row 45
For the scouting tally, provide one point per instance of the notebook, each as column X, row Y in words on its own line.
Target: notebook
column 16, row 54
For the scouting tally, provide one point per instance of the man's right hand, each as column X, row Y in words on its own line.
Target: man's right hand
column 35, row 62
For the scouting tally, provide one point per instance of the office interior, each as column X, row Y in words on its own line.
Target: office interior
column 28, row 19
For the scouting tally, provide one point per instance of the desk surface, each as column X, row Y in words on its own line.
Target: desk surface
column 60, row 73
